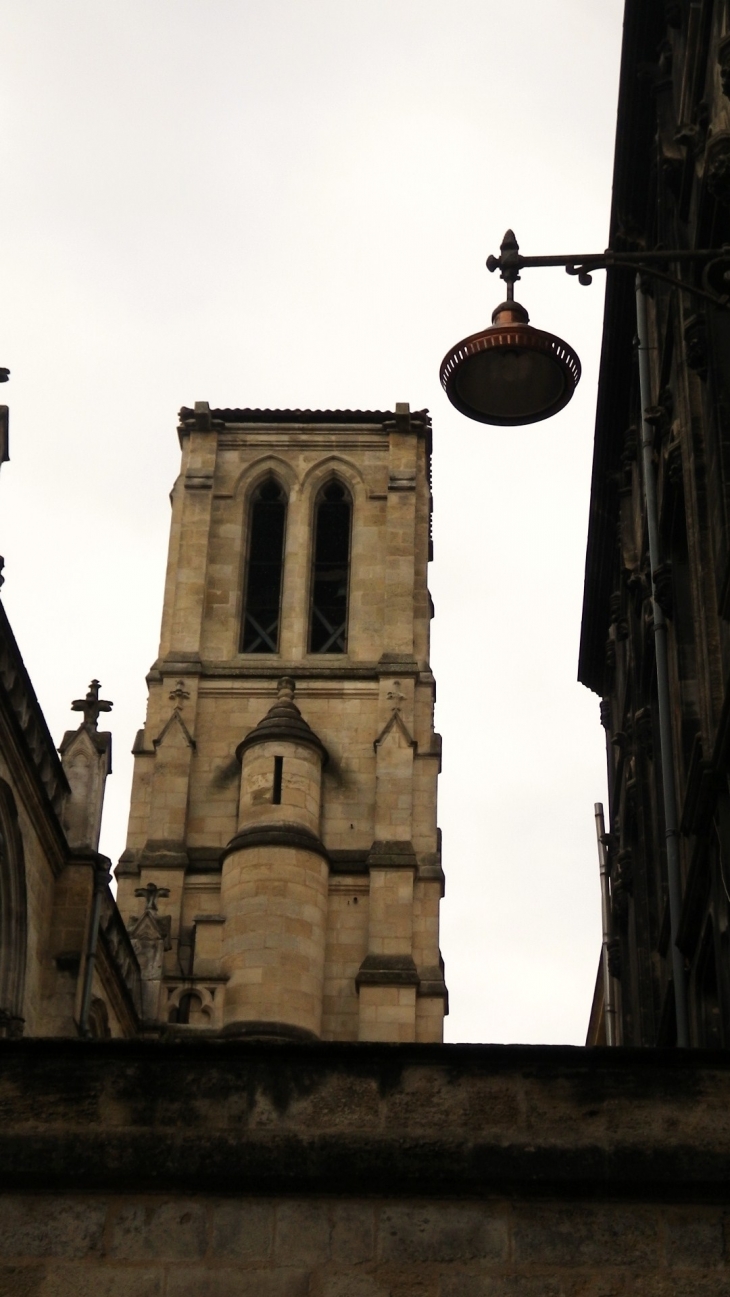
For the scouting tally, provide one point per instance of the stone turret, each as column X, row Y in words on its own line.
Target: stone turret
column 302, row 885
column 275, row 876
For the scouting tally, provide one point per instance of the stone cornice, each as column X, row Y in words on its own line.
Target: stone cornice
column 275, row 835
column 272, row 668
column 445, row 1120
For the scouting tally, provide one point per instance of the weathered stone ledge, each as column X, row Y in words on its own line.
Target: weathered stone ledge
column 256, row 1117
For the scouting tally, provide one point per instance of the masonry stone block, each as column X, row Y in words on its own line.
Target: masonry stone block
column 222, row 1281
column 102, row 1281
column 302, row 1233
column 242, row 1229
column 611, row 1234
column 438, row 1232
column 694, row 1232
column 349, row 1284
column 353, row 1232
column 34, row 1226
column 21, row 1280
column 167, row 1231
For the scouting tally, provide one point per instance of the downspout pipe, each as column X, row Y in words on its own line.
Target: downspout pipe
column 609, row 1003
column 671, row 822
column 101, row 882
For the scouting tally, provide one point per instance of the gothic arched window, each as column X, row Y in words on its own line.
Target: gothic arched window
column 264, row 569
column 330, row 570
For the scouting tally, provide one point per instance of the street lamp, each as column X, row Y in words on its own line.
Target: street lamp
column 510, row 373
column 513, row 374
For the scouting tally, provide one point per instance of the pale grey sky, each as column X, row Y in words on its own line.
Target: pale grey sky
column 290, row 203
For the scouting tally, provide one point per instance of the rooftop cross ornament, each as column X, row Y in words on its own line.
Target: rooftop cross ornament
column 150, row 894
column 91, row 706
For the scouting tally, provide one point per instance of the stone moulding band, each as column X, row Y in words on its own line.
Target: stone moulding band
column 275, row 835
column 387, row 970
column 264, row 1030
column 283, row 733
column 392, row 855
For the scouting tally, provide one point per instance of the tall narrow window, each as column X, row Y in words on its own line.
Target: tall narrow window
column 331, row 571
column 263, row 577
column 278, row 775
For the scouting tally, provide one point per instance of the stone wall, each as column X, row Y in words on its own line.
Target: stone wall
column 216, row 1168
column 155, row 1245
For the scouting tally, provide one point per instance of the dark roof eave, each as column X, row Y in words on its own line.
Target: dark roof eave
column 643, row 29
column 419, row 418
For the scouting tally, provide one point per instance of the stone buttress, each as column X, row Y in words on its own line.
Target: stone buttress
column 291, row 848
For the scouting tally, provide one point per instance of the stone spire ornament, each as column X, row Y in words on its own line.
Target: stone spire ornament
column 92, row 705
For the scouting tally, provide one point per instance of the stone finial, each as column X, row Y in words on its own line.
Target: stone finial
column 91, row 706
column 86, row 756
column 150, row 893
column 285, row 689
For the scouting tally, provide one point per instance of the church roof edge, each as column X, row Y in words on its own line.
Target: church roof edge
column 246, row 415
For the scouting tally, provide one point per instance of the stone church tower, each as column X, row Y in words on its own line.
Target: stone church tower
column 282, row 875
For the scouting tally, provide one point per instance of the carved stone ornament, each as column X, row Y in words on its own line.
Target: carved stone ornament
column 614, row 958
column 717, row 167
column 672, row 172
column 638, row 583
column 663, row 589
column 626, row 870
column 605, row 713
column 695, row 344
column 619, row 905
column 643, row 731
column 631, row 445
column 723, row 59
column 675, row 467
column 693, row 135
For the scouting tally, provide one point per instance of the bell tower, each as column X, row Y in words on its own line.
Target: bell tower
column 284, row 797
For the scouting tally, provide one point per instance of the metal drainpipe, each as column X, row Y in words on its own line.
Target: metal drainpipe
column 609, row 1006
column 101, row 881
column 671, row 825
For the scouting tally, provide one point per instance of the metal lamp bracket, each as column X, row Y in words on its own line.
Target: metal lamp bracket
column 716, row 275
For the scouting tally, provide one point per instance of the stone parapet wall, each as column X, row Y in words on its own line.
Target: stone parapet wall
column 362, row 1170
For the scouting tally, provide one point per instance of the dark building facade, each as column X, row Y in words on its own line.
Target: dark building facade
column 671, row 190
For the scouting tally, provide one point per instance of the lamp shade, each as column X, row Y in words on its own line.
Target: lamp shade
column 511, row 373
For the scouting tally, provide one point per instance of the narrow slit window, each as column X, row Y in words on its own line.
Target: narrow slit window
column 331, row 571
column 278, row 774
column 264, row 570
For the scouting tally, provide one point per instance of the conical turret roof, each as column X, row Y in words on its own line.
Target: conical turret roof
column 283, row 723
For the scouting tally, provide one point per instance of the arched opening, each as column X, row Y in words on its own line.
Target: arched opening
column 189, row 1011
column 99, row 1028
column 13, row 917
column 330, row 570
column 264, row 569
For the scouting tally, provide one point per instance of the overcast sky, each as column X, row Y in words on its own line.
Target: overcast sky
column 290, row 203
